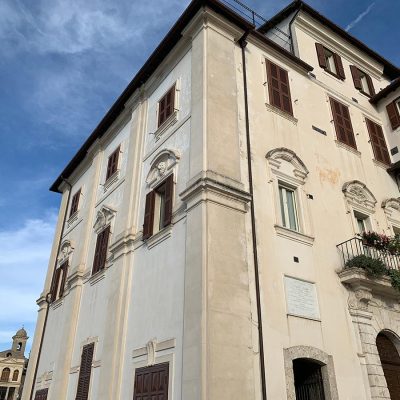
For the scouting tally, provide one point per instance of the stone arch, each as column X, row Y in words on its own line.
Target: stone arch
column 318, row 356
column 275, row 158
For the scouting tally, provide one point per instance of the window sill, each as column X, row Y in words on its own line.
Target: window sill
column 347, row 147
column 294, row 235
column 73, row 218
column 159, row 237
column 111, row 180
column 283, row 114
column 57, row 303
column 380, row 164
column 97, row 277
column 333, row 75
column 171, row 120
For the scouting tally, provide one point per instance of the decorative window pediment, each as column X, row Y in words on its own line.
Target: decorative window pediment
column 161, row 166
column 103, row 218
column 359, row 196
column 286, row 162
column 392, row 208
column 66, row 249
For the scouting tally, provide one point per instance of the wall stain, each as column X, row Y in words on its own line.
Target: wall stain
column 328, row 175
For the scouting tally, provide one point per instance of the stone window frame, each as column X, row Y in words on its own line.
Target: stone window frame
column 295, row 180
column 318, row 356
column 390, row 207
column 359, row 199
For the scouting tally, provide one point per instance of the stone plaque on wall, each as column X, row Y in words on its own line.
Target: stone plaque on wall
column 301, row 298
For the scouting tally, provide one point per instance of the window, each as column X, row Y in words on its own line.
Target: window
column 59, row 279
column 278, row 87
column 112, row 165
column 152, row 382
column 19, row 346
column 100, row 254
column 287, row 197
column 362, row 221
column 158, row 208
column 75, row 203
column 85, row 370
column 308, row 380
column 342, row 121
column 15, row 375
column 330, row 61
column 5, row 375
column 41, row 394
column 166, row 106
column 393, row 110
column 378, row 142
column 362, row 81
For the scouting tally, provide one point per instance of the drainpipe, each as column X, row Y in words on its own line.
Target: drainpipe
column 290, row 27
column 48, row 295
column 243, row 43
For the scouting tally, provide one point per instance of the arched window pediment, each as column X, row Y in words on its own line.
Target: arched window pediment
column 277, row 157
column 161, row 165
column 104, row 217
column 357, row 194
column 66, row 249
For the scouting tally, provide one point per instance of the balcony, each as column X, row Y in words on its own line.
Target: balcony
column 373, row 266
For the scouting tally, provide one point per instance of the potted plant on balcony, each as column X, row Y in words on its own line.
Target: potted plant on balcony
column 373, row 267
column 377, row 240
column 394, row 245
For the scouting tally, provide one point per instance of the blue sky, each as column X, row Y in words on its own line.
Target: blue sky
column 62, row 65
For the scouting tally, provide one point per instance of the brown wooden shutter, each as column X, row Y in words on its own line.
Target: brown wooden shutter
column 339, row 66
column 321, row 55
column 151, row 382
column 278, row 87
column 149, row 215
column 355, row 73
column 112, row 165
column 75, row 203
column 64, row 269
column 393, row 114
column 41, row 394
column 166, row 106
column 82, row 392
column 54, row 284
column 370, row 85
column 100, row 253
column 169, row 197
column 342, row 121
column 378, row 142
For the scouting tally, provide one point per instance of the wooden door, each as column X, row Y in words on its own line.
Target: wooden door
column 390, row 361
column 151, row 383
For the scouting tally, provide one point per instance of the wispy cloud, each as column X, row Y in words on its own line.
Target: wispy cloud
column 23, row 263
column 353, row 23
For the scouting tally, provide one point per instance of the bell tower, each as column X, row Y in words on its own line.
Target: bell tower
column 19, row 342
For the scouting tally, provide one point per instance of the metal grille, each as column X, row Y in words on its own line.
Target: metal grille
column 308, row 380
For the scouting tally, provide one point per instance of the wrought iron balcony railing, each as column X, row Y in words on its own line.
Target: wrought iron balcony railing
column 357, row 246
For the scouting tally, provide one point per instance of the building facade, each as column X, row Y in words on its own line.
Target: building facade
column 211, row 225
column 13, row 367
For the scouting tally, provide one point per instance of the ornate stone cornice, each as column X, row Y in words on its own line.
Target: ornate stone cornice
column 357, row 194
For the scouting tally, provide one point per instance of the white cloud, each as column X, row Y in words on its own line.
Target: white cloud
column 353, row 23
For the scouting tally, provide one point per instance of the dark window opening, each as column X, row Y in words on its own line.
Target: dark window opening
column 166, row 106
column 112, row 165
column 308, row 380
column 58, row 285
column 100, row 253
column 330, row 61
column 151, row 382
column 362, row 81
column 41, row 394
column 75, row 203
column 342, row 122
column 5, row 375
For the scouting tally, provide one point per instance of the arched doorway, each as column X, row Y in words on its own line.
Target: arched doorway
column 390, row 361
column 308, row 380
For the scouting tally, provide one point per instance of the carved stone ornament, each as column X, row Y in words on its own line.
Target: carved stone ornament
column 103, row 218
column 391, row 206
column 276, row 156
column 359, row 299
column 66, row 250
column 151, row 351
column 161, row 165
column 357, row 194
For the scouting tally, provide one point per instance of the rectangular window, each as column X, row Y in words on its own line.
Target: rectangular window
column 151, row 382
column 363, row 224
column 158, row 208
column 342, row 121
column 41, row 394
column 330, row 61
column 100, row 254
column 278, row 87
column 362, row 81
column 393, row 110
column 166, row 106
column 378, row 142
column 85, row 370
column 75, row 203
column 287, row 199
column 112, row 164
column 58, row 285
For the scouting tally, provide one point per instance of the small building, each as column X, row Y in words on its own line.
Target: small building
column 13, row 364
